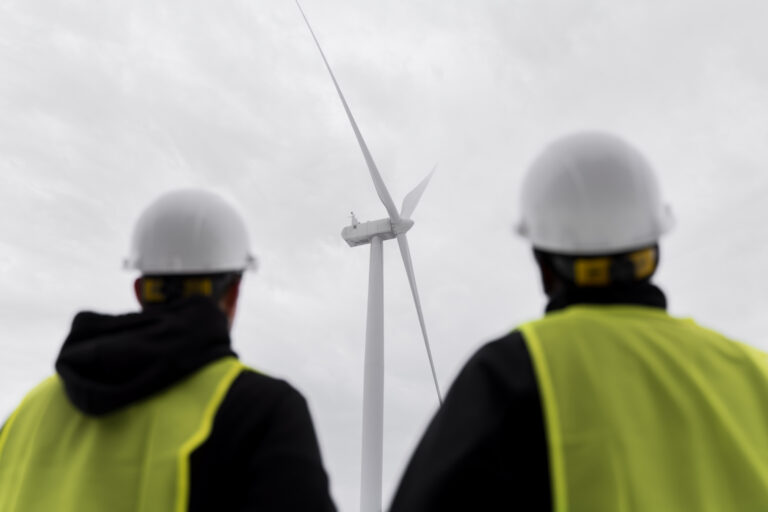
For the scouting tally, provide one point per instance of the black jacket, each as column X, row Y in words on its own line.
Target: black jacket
column 486, row 447
column 262, row 453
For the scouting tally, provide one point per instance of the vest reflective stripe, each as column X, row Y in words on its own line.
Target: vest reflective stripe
column 646, row 412
column 136, row 459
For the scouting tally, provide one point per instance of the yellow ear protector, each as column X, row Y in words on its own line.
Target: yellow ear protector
column 601, row 271
column 165, row 289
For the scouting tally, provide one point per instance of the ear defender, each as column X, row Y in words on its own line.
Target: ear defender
column 166, row 289
column 602, row 271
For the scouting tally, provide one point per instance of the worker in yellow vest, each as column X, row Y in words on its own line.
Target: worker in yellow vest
column 607, row 403
column 152, row 411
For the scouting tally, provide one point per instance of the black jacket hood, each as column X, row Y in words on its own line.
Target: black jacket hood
column 108, row 362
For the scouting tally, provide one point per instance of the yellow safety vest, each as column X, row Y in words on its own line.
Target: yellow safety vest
column 136, row 459
column 649, row 413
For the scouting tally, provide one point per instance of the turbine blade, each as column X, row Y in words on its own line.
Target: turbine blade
column 413, row 197
column 405, row 251
column 381, row 189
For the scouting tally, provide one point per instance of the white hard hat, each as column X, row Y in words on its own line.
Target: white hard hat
column 592, row 193
column 190, row 232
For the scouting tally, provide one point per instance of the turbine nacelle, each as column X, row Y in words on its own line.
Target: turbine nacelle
column 361, row 233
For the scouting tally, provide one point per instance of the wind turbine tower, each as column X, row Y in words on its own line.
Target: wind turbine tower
column 374, row 233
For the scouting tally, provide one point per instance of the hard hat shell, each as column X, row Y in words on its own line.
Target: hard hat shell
column 592, row 193
column 189, row 231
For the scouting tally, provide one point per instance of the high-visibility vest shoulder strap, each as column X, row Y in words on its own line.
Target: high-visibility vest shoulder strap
column 53, row 457
column 644, row 411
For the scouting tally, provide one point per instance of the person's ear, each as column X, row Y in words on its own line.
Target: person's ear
column 228, row 302
column 549, row 280
column 137, row 289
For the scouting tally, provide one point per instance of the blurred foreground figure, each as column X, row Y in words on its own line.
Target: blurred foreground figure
column 607, row 403
column 152, row 411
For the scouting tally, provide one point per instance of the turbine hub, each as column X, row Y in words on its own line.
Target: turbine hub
column 402, row 227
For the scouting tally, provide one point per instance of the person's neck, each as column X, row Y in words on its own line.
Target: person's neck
column 640, row 294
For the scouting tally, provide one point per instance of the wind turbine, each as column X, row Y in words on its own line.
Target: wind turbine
column 374, row 233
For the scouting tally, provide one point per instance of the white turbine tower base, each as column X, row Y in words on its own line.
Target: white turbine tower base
column 374, row 233
column 373, row 385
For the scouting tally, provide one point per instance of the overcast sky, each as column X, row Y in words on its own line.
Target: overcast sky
column 104, row 105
